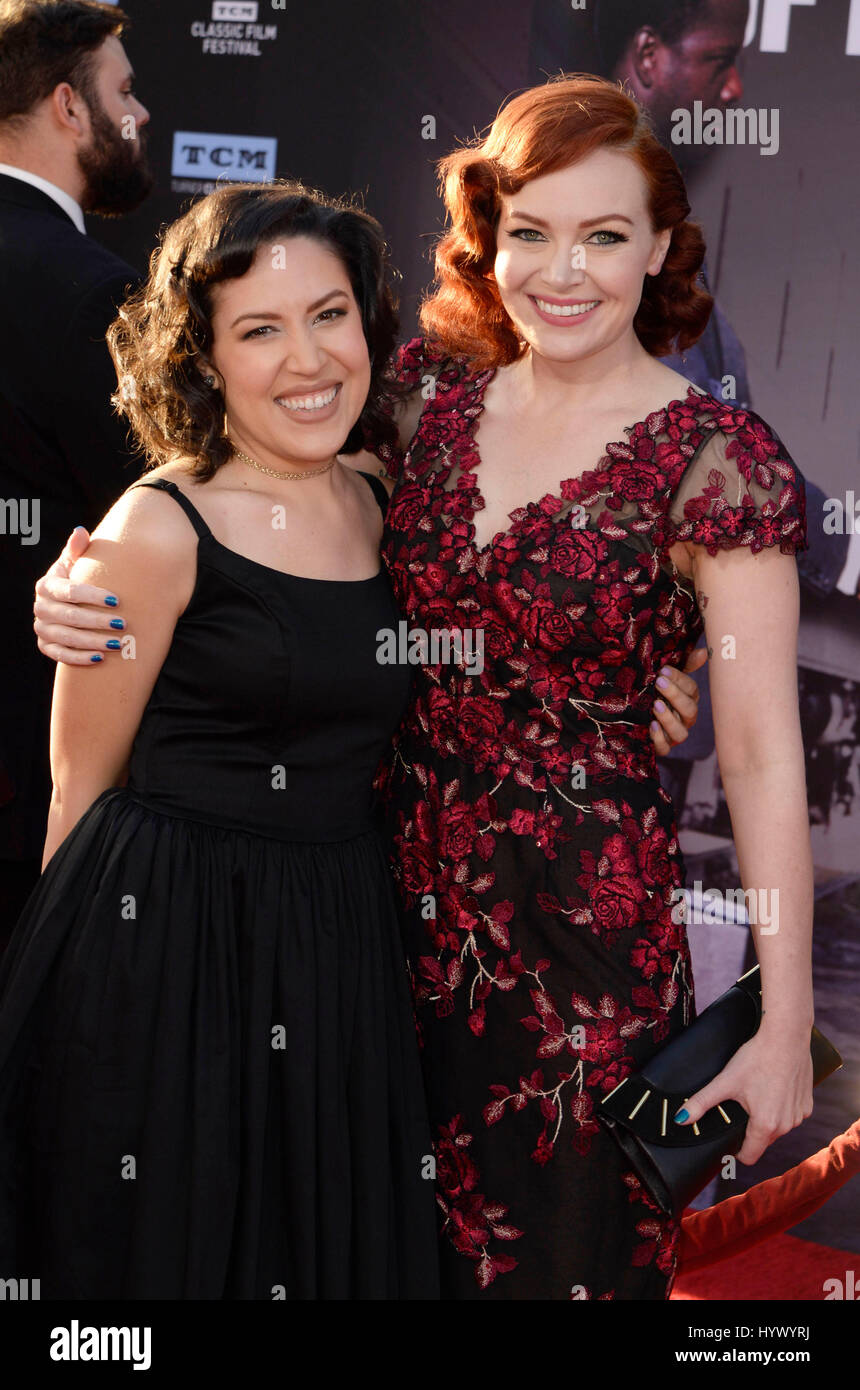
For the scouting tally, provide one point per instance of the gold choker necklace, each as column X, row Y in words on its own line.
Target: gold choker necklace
column 273, row 472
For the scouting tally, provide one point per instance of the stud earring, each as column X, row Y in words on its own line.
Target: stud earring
column 209, row 380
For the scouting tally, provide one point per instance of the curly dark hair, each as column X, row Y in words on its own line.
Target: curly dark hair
column 165, row 327
column 544, row 129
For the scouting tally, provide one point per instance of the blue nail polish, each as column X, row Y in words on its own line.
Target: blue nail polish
column 662, row 682
column 95, row 658
column 117, row 622
column 113, row 644
column 682, row 1115
column 112, row 600
column 658, row 704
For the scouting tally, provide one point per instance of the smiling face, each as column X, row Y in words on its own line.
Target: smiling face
column 573, row 249
column 290, row 354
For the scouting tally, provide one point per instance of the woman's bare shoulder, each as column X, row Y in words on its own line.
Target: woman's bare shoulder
column 148, row 518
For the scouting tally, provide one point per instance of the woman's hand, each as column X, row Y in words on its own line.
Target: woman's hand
column 677, row 708
column 75, row 622
column 771, row 1077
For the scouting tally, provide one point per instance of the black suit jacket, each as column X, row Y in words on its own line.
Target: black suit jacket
column 64, row 459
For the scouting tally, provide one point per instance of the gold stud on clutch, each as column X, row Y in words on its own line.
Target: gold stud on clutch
column 640, row 1102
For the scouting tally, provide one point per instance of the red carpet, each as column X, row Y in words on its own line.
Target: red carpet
column 739, row 1249
column 782, row 1267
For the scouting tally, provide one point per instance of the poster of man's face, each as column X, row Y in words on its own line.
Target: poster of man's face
column 671, row 56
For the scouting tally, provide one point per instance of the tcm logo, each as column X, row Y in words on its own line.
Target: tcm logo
column 235, row 9
column 239, row 157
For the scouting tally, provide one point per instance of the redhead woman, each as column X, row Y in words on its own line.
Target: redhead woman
column 588, row 511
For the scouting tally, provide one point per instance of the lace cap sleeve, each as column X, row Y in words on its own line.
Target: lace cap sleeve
column 742, row 488
column 411, row 368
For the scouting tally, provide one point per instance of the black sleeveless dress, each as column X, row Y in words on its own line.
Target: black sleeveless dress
column 209, row 1077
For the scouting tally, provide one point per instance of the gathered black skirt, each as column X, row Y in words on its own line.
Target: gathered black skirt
column 209, row 1077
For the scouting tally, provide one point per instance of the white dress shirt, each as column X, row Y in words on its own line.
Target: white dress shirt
column 59, row 195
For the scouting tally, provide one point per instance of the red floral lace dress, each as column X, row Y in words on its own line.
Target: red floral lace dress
column 535, row 851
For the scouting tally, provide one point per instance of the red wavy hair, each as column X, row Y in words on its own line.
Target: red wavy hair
column 544, row 129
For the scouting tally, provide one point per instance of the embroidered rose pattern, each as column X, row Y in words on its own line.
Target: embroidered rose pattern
column 534, row 849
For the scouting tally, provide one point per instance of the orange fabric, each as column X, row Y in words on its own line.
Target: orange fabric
column 739, row 1222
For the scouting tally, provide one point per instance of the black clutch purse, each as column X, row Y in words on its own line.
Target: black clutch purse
column 676, row 1161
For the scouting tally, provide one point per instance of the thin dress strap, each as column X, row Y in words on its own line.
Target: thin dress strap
column 167, row 485
column 378, row 488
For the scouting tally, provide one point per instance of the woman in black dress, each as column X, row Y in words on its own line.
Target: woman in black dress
column 209, row 1076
